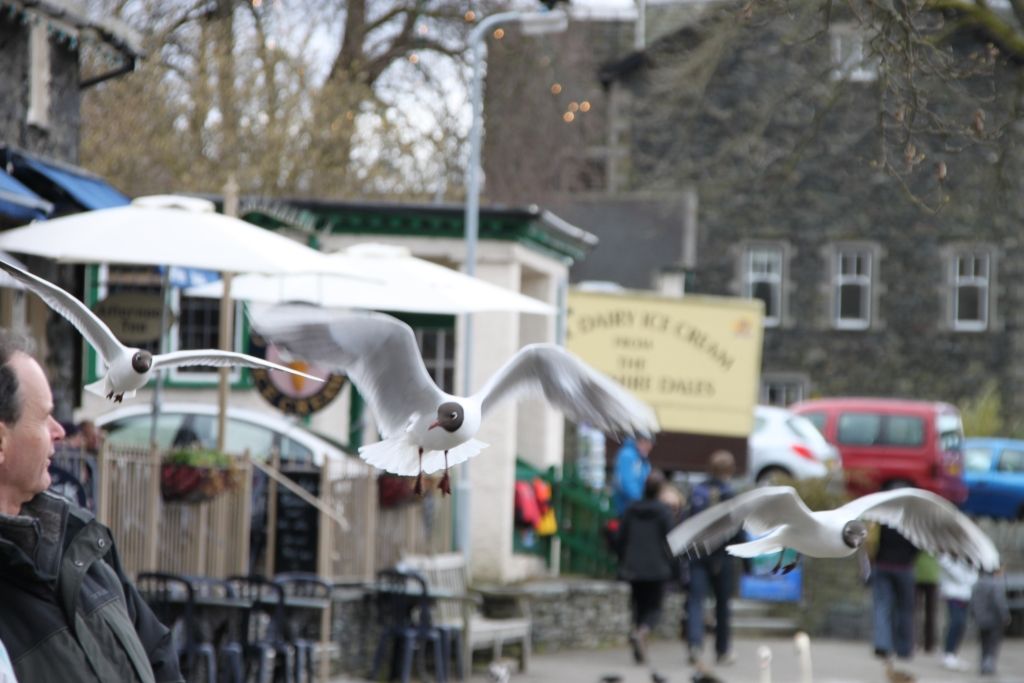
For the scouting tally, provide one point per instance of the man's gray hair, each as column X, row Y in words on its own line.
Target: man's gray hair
column 10, row 402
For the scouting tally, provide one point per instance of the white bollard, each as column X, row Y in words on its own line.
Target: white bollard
column 803, row 651
column 764, row 659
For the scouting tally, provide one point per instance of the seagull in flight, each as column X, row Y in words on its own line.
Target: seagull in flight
column 128, row 369
column 425, row 429
column 779, row 519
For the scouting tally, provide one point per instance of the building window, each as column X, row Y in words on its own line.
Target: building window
column 39, row 76
column 763, row 280
column 782, row 391
column 852, row 289
column 850, row 61
column 970, row 297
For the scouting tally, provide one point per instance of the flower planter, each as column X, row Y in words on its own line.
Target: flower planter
column 195, row 476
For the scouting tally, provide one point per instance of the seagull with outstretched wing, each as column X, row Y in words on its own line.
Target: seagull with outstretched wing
column 426, row 429
column 779, row 519
column 128, row 369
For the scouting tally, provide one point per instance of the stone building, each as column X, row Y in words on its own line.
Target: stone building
column 763, row 158
column 50, row 52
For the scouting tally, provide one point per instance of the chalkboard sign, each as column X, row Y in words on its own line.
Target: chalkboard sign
column 298, row 524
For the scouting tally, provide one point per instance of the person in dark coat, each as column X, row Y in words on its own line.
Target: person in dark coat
column 991, row 612
column 645, row 560
column 892, row 588
column 68, row 613
column 712, row 575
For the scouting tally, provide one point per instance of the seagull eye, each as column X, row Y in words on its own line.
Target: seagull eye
column 453, row 415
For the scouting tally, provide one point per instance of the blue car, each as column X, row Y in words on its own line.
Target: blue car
column 994, row 473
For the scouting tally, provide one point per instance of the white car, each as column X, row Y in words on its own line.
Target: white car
column 183, row 424
column 786, row 445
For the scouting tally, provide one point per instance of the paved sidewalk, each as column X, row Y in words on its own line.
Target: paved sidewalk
column 832, row 662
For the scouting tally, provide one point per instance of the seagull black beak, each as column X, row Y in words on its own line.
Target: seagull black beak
column 433, row 424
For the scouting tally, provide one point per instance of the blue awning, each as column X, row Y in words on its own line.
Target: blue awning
column 18, row 204
column 85, row 189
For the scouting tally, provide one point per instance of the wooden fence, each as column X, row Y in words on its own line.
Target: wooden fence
column 212, row 538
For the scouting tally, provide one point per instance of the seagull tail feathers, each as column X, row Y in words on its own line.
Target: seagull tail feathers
column 99, row 388
column 761, row 546
column 399, row 455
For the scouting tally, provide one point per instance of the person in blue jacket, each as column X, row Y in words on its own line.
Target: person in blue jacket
column 631, row 471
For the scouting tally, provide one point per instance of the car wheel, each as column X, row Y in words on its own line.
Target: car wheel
column 773, row 476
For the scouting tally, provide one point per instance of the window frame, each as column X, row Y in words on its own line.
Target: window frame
column 982, row 283
column 774, row 280
column 40, row 77
column 840, row 280
column 847, row 55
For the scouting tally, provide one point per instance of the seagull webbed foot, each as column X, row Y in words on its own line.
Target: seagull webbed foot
column 110, row 395
column 418, row 488
column 118, row 398
column 446, row 484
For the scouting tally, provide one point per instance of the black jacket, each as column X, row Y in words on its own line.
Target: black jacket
column 644, row 554
column 67, row 611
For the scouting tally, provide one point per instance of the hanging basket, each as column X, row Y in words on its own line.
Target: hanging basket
column 193, row 476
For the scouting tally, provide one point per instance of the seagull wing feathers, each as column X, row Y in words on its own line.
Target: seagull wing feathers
column 578, row 390
column 378, row 353
column 929, row 521
column 220, row 359
column 758, row 511
column 77, row 313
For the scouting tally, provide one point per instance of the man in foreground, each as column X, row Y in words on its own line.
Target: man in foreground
column 68, row 611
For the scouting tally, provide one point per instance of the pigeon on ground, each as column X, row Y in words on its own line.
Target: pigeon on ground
column 425, row 429
column 779, row 519
column 128, row 369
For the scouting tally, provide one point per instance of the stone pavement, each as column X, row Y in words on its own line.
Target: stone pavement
column 833, row 661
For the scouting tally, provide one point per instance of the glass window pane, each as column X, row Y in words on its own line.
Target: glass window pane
column 904, row 431
column 817, row 419
column 243, row 436
column 133, row 432
column 977, row 459
column 861, row 429
column 292, row 450
column 969, row 303
column 1011, row 461
column 850, row 302
column 765, row 291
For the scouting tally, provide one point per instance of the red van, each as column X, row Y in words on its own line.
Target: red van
column 885, row 443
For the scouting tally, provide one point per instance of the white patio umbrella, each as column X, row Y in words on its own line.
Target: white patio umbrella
column 389, row 278
column 163, row 230
column 166, row 230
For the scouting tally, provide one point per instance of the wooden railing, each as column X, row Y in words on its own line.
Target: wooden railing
column 212, row 538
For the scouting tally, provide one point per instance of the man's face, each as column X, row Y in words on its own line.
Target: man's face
column 27, row 445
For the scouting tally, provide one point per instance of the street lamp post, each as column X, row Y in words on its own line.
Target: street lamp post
column 532, row 23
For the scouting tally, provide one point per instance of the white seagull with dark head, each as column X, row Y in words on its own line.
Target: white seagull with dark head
column 425, row 429
column 128, row 369
column 780, row 520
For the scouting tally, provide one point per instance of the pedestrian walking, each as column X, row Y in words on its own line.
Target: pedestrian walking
column 956, row 580
column 991, row 612
column 645, row 560
column 714, row 574
column 892, row 590
column 631, row 469
column 926, row 590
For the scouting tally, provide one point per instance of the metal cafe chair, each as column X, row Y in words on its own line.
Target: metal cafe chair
column 298, row 622
column 403, row 609
column 263, row 629
column 172, row 599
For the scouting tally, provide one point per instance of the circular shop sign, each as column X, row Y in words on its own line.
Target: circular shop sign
column 291, row 394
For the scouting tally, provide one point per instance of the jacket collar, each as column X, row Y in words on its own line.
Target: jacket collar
column 32, row 542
